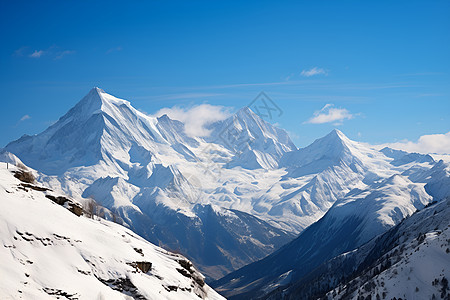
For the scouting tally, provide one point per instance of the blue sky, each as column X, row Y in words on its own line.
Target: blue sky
column 377, row 70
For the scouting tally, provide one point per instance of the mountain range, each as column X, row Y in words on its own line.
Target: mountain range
column 244, row 193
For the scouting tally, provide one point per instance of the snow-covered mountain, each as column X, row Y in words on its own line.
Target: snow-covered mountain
column 362, row 214
column 227, row 199
column 256, row 143
column 148, row 171
column 409, row 261
column 48, row 250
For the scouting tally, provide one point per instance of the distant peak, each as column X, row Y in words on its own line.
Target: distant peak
column 94, row 96
column 246, row 113
column 96, row 101
column 98, row 96
column 246, row 109
column 98, row 90
column 397, row 180
column 95, row 91
column 164, row 117
column 336, row 134
column 334, row 141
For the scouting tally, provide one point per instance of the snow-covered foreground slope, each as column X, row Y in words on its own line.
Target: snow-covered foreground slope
column 47, row 251
column 224, row 200
column 412, row 261
column 409, row 261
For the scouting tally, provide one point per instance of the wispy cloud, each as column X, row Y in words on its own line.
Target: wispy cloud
column 52, row 52
column 22, row 119
column 430, row 143
column 25, row 117
column 37, row 53
column 330, row 114
column 197, row 117
column 314, row 72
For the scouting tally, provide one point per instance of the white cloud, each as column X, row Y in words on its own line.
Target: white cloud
column 329, row 114
column 430, row 143
column 197, row 117
column 313, row 72
column 54, row 52
column 25, row 117
column 37, row 54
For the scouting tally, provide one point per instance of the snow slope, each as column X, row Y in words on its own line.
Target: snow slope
column 409, row 261
column 47, row 251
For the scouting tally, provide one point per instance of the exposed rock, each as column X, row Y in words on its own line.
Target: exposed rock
column 72, row 206
column 24, row 176
column 123, row 285
column 190, row 272
column 144, row 266
column 138, row 250
column 34, row 187
column 57, row 292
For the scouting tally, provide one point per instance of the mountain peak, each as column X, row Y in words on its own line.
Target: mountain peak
column 337, row 134
column 94, row 94
column 97, row 101
column 246, row 109
column 164, row 118
column 324, row 152
column 98, row 93
column 336, row 140
column 245, row 113
column 97, row 89
column 90, row 104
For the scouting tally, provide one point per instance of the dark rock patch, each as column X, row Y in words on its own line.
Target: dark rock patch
column 171, row 288
column 73, row 207
column 123, row 285
column 34, row 187
column 143, row 266
column 24, row 176
column 139, row 251
column 57, row 292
